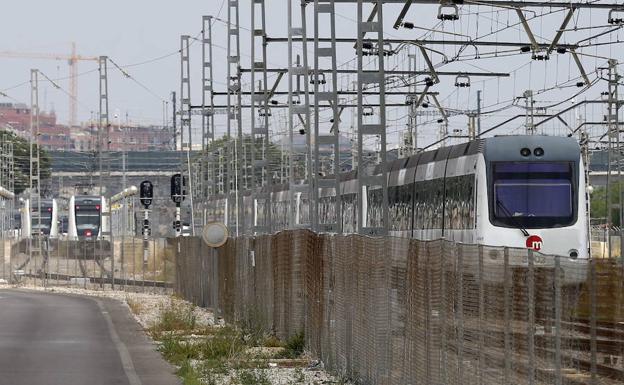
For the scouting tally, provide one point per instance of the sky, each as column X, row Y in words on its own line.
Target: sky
column 144, row 36
column 126, row 31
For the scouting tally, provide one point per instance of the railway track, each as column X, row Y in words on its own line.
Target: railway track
column 574, row 362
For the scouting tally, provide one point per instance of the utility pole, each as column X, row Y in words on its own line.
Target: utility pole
column 326, row 52
column 529, row 103
column 478, row 113
column 35, row 249
column 366, row 178
column 261, row 177
column 411, row 140
column 614, row 177
column 234, row 106
column 185, row 116
column 104, row 167
column 207, row 179
column 472, row 126
column 175, row 121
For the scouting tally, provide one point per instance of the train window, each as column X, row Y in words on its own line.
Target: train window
column 428, row 204
column 459, row 206
column 374, row 207
column 349, row 213
column 533, row 194
column 400, row 207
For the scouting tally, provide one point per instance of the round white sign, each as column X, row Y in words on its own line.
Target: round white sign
column 215, row 234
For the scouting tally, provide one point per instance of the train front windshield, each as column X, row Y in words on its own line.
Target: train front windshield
column 533, row 194
column 88, row 220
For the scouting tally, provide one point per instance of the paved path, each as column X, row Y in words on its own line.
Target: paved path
column 51, row 339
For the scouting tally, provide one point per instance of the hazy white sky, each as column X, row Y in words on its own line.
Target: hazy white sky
column 136, row 31
column 127, row 31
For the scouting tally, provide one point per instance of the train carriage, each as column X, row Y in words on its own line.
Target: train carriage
column 44, row 222
column 509, row 191
column 86, row 221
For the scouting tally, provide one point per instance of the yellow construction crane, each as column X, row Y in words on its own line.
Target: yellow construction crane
column 72, row 61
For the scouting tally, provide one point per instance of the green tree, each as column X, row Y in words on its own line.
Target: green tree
column 21, row 158
column 599, row 204
column 270, row 152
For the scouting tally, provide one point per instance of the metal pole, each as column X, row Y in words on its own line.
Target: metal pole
column 35, row 175
column 478, row 113
column 366, row 178
column 330, row 95
column 104, row 168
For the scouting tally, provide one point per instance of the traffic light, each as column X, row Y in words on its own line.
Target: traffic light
column 178, row 188
column 146, row 193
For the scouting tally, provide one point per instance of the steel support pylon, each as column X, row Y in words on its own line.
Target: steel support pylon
column 261, row 177
column 208, row 135
column 35, row 244
column 186, row 145
column 300, row 186
column 104, row 168
column 369, row 176
column 614, row 176
column 234, row 200
column 326, row 90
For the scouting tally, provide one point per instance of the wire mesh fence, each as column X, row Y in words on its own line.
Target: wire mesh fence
column 378, row 310
column 401, row 311
column 128, row 264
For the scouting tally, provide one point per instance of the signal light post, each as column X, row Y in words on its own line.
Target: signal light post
column 178, row 194
column 146, row 196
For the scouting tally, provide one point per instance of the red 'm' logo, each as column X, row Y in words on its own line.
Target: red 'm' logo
column 534, row 242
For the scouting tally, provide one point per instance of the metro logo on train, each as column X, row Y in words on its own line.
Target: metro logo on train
column 534, row 242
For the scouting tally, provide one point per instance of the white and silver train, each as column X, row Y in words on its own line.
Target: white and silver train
column 513, row 191
column 40, row 223
column 86, row 221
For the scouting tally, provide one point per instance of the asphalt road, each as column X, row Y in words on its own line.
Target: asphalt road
column 50, row 339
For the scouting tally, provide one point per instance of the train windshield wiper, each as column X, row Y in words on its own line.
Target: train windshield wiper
column 508, row 213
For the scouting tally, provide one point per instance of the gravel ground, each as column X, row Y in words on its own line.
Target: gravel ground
column 146, row 309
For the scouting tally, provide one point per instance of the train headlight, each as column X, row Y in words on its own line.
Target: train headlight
column 573, row 253
column 538, row 151
column 525, row 152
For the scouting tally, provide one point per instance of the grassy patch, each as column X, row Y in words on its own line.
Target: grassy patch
column 188, row 374
column 210, row 355
column 224, row 344
column 272, row 342
column 294, row 346
column 177, row 351
column 175, row 316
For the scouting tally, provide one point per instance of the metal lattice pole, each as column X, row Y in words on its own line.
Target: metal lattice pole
column 208, row 127
column 261, row 178
column 376, row 76
column 35, row 250
column 298, row 109
column 614, row 177
column 326, row 52
column 234, row 117
column 104, row 168
column 185, row 121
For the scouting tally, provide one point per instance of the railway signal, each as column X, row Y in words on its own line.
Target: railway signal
column 178, row 194
column 178, row 188
column 146, row 193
